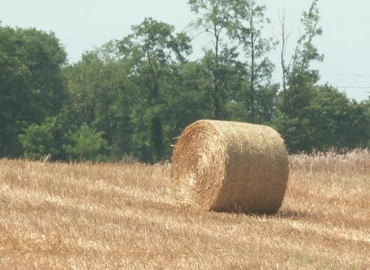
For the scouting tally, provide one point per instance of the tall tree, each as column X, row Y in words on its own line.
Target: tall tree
column 214, row 19
column 299, row 81
column 250, row 21
column 284, row 42
column 299, row 73
column 152, row 48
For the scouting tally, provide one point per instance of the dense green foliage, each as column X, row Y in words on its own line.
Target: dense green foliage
column 31, row 85
column 132, row 97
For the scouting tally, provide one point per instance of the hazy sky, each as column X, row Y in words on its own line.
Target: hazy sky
column 84, row 24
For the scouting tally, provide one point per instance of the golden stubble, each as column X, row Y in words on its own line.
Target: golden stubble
column 117, row 216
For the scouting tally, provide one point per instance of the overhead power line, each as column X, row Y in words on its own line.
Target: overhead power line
column 335, row 74
column 347, row 74
column 354, row 87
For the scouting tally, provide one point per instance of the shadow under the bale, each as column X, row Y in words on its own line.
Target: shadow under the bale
column 291, row 214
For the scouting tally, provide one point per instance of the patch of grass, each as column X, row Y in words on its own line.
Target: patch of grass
column 366, row 180
column 325, row 265
column 303, row 260
column 244, row 251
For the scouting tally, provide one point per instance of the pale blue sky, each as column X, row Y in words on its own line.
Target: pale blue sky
column 84, row 24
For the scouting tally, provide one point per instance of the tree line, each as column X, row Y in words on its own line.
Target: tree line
column 130, row 98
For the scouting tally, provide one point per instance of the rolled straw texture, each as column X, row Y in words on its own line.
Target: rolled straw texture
column 230, row 166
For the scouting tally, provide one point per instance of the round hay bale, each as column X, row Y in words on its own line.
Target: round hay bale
column 230, row 166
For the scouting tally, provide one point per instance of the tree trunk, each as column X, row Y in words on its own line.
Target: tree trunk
column 252, row 71
column 157, row 138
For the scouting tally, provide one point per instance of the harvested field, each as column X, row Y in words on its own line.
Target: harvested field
column 116, row 216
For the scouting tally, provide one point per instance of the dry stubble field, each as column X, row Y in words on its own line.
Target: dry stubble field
column 116, row 216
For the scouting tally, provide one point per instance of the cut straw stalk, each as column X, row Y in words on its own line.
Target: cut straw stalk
column 230, row 166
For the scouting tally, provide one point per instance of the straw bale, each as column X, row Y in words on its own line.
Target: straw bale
column 230, row 166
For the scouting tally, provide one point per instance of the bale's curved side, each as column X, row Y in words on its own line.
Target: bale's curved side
column 230, row 166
